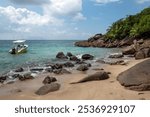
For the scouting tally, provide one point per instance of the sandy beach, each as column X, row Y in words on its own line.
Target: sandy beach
column 109, row 89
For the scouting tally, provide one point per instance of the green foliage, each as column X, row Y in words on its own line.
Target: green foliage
column 132, row 26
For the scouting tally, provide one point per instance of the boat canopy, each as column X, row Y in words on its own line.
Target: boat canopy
column 19, row 41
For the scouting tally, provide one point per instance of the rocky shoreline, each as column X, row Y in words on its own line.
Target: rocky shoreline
column 69, row 63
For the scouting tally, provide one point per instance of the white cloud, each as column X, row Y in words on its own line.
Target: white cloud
column 30, row 2
column 53, row 22
column 79, row 17
column 63, row 7
column 106, row 1
column 142, row 1
column 24, row 16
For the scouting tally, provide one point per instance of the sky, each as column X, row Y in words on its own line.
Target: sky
column 62, row 19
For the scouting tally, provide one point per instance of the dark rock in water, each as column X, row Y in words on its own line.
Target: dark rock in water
column 87, row 57
column 94, row 77
column 68, row 64
column 57, row 66
column 129, row 50
column 61, row 71
column 61, row 55
column 83, row 67
column 48, row 88
column 116, row 55
column 49, row 70
column 137, row 77
column 49, row 80
column 69, row 54
column 37, row 69
column 3, row 78
column 74, row 58
column 79, row 61
column 26, row 77
column 17, row 76
column 19, row 69
column 57, row 71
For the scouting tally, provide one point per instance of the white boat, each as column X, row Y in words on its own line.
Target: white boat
column 19, row 47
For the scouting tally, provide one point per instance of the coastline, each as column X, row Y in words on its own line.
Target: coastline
column 109, row 89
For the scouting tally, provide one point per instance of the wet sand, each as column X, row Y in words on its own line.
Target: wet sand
column 109, row 89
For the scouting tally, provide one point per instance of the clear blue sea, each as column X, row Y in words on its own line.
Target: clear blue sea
column 43, row 50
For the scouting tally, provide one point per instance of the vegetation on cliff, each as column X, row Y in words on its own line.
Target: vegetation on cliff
column 135, row 26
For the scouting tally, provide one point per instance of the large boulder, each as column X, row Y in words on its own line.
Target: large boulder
column 49, row 80
column 83, row 67
column 139, row 55
column 137, row 77
column 129, row 50
column 143, row 53
column 61, row 55
column 48, row 88
column 87, row 57
column 102, row 75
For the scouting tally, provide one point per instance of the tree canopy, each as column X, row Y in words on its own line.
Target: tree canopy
column 132, row 26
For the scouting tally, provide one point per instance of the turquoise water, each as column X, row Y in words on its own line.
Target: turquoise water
column 43, row 50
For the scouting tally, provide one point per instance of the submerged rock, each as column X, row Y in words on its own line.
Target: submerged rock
column 48, row 88
column 137, row 77
column 87, row 57
column 19, row 69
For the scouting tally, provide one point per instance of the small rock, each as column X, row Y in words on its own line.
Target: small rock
column 68, row 64
column 48, row 88
column 61, row 55
column 49, row 70
column 3, row 78
column 116, row 55
column 49, row 80
column 69, row 54
column 83, row 67
column 64, row 71
column 37, row 69
column 57, row 66
column 26, row 77
column 87, row 57
column 19, row 69
column 74, row 58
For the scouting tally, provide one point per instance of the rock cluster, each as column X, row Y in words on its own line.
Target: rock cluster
column 139, row 49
